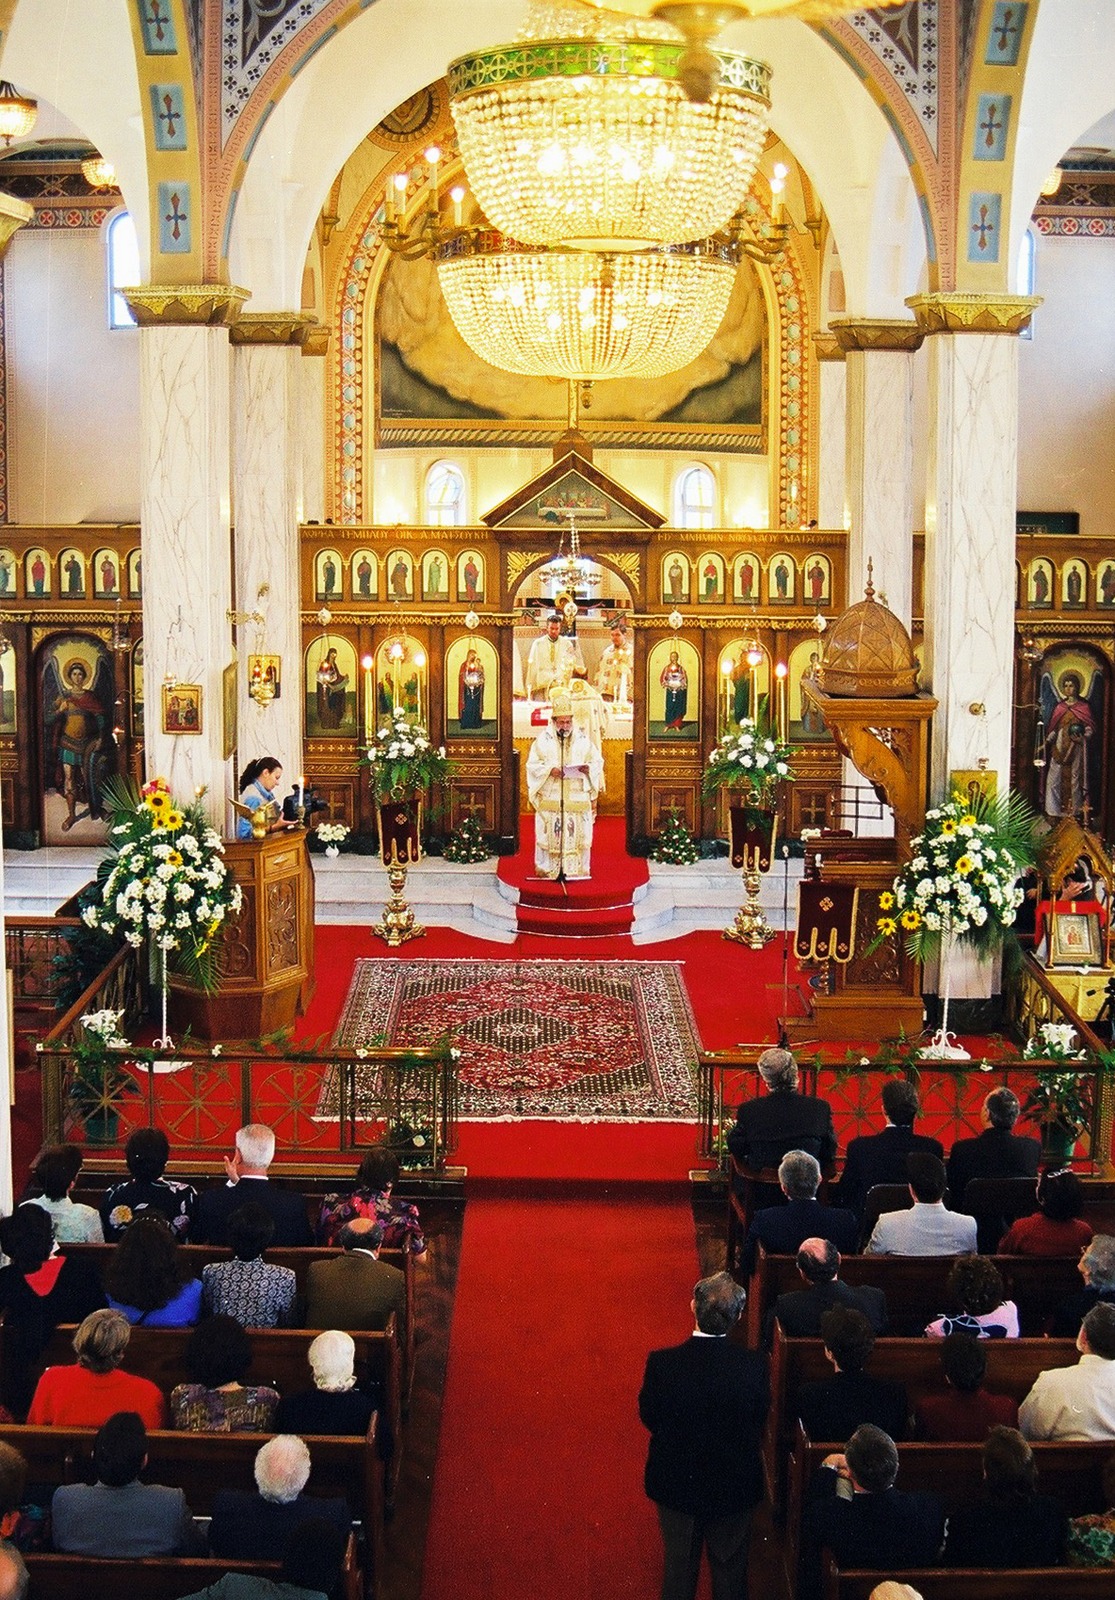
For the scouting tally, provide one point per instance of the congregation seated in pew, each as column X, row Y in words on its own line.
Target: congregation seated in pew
column 216, row 1399
column 835, row 1407
column 147, row 1189
column 254, row 1526
column 40, row 1288
column 964, row 1409
column 799, row 1311
column 334, row 1404
column 981, row 1308
column 1057, row 1227
column 256, row 1292
column 373, row 1196
column 148, row 1281
column 783, row 1228
column 94, row 1388
column 927, row 1228
column 117, row 1515
column 1097, row 1268
column 1010, row 1524
column 1077, row 1402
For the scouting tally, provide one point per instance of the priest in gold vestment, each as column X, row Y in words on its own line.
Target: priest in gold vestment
column 565, row 773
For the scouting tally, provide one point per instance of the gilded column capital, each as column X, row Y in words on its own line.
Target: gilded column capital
column 161, row 305
column 958, row 312
column 316, row 342
column 13, row 214
column 827, row 346
column 876, row 333
column 271, row 327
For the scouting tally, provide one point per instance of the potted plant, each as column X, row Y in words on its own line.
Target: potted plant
column 1061, row 1100
column 960, row 886
column 404, row 766
column 331, row 835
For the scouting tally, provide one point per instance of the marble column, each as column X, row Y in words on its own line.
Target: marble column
column 831, row 430
column 267, row 508
column 879, row 460
column 313, row 408
column 970, row 515
column 184, row 511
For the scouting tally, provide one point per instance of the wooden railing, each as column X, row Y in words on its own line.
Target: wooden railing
column 31, row 948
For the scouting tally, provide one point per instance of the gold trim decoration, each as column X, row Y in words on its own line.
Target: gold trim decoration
column 876, row 333
column 628, row 562
column 13, row 214
column 956, row 312
column 827, row 346
column 316, row 342
column 271, row 327
column 518, row 562
column 202, row 305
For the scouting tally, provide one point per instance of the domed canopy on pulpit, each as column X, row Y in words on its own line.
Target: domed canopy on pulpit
column 868, row 654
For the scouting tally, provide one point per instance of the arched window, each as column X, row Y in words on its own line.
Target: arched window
column 123, row 267
column 445, row 495
column 694, row 498
column 1027, row 273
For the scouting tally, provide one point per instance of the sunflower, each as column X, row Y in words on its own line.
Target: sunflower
column 968, row 822
column 886, row 900
column 158, row 801
column 964, row 866
column 948, row 827
column 887, row 926
column 158, row 823
column 174, row 819
column 910, row 920
column 174, row 859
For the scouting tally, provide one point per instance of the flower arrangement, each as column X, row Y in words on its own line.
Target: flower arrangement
column 403, row 761
column 754, row 760
column 468, row 843
column 1060, row 1102
column 98, row 1080
column 961, row 881
column 165, row 880
column 332, row 832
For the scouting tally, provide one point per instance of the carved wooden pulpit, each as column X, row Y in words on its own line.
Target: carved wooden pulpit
column 267, row 951
column 887, row 741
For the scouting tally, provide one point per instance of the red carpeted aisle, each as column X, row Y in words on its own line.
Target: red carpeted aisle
column 538, row 1487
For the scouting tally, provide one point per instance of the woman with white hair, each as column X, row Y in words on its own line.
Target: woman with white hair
column 334, row 1404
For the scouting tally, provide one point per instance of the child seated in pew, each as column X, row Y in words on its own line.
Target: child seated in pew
column 965, row 1410
column 851, row 1395
column 976, row 1290
column 217, row 1400
column 1010, row 1525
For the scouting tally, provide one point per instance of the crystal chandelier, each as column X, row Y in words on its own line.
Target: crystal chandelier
column 582, row 315
column 17, row 113
column 569, row 572
column 591, row 141
column 98, row 172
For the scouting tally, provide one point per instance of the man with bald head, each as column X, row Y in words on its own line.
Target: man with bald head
column 800, row 1311
column 356, row 1289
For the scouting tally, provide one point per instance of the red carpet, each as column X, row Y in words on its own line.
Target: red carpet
column 600, row 905
column 538, row 1488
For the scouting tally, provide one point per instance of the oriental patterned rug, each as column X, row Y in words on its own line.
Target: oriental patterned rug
column 592, row 1041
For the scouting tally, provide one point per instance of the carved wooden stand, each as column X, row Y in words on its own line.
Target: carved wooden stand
column 888, row 742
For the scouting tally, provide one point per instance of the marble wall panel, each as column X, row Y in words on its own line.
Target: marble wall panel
column 879, row 476
column 187, row 577
column 267, row 473
column 831, row 444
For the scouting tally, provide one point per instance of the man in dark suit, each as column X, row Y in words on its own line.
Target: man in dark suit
column 118, row 1515
column 854, row 1510
column 705, row 1403
column 248, row 1180
column 257, row 1527
column 781, row 1229
column 881, row 1157
column 834, row 1408
column 783, row 1119
column 800, row 1310
column 998, row 1152
column 356, row 1289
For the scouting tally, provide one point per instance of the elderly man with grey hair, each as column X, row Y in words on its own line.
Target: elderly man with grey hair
column 254, row 1527
column 783, row 1119
column 781, row 1229
column 1077, row 1402
column 1097, row 1267
column 705, row 1403
column 998, row 1152
column 247, row 1172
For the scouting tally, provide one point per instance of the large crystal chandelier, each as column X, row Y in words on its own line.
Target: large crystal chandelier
column 584, row 315
column 590, row 141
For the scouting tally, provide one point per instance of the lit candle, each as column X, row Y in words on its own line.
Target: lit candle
column 301, row 788
column 366, row 663
column 780, row 671
column 776, row 187
column 726, row 685
column 457, row 195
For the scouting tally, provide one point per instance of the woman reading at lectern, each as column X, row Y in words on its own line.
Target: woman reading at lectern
column 258, row 783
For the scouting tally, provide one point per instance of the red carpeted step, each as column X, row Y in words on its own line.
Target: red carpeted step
column 573, row 921
column 613, row 871
column 584, row 895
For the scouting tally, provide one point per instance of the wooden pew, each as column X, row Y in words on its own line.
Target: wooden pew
column 279, row 1358
column 977, row 1583
column 1072, row 1473
column 298, row 1259
column 1012, row 1366
column 155, row 1577
column 915, row 1287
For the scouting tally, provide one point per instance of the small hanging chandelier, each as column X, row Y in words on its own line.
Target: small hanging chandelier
column 98, row 172
column 18, row 113
column 584, row 315
column 588, row 139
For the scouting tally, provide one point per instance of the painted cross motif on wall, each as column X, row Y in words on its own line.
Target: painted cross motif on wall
column 174, row 218
column 983, row 227
column 168, row 116
column 157, row 26
column 992, row 123
column 1005, row 36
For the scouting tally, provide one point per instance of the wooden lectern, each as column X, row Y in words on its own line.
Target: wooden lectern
column 267, row 953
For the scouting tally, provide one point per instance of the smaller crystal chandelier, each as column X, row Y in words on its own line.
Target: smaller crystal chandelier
column 98, row 172
column 569, row 572
column 18, row 113
column 584, row 315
